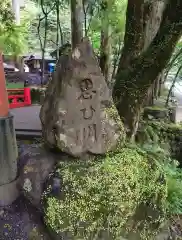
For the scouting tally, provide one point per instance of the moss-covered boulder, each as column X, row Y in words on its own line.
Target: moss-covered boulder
column 101, row 198
column 155, row 112
column 162, row 133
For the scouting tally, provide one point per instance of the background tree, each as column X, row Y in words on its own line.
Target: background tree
column 12, row 37
column 106, row 32
column 138, row 72
column 105, row 40
column 76, row 22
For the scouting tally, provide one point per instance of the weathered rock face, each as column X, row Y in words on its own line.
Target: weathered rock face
column 8, row 162
column 75, row 115
column 35, row 165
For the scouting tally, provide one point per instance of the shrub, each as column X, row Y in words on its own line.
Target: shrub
column 102, row 196
column 173, row 177
column 174, row 189
column 158, row 131
column 165, row 135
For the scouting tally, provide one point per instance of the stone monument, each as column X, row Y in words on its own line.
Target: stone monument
column 75, row 114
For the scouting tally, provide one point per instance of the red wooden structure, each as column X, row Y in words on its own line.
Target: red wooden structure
column 19, row 97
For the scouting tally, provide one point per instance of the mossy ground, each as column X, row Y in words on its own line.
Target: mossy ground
column 101, row 197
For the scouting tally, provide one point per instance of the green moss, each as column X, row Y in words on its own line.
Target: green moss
column 103, row 196
column 158, row 131
column 113, row 114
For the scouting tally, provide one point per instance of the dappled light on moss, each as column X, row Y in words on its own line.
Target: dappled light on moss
column 101, row 196
column 113, row 114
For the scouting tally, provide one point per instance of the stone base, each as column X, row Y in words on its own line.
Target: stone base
column 36, row 163
column 9, row 193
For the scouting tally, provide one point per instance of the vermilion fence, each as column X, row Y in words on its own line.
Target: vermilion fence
column 19, row 97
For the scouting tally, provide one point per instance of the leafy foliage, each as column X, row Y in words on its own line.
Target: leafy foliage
column 6, row 16
column 159, row 131
column 33, row 13
column 175, row 62
column 174, row 184
column 12, row 37
column 162, row 141
column 116, row 15
column 173, row 176
column 14, row 40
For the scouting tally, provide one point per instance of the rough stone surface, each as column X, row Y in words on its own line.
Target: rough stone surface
column 74, row 114
column 8, row 161
column 21, row 221
column 9, row 193
column 8, row 151
column 35, row 165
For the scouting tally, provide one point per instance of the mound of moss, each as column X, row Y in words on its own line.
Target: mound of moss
column 101, row 198
column 159, row 130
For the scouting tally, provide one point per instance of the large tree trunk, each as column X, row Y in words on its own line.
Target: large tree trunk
column 76, row 22
column 134, row 34
column 153, row 11
column 105, row 51
column 132, row 85
column 105, row 44
column 143, row 22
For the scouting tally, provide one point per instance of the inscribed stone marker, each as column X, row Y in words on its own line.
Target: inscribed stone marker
column 74, row 115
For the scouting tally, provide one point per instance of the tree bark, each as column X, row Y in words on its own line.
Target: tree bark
column 76, row 22
column 153, row 11
column 105, row 51
column 105, row 43
column 132, row 85
column 134, row 33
